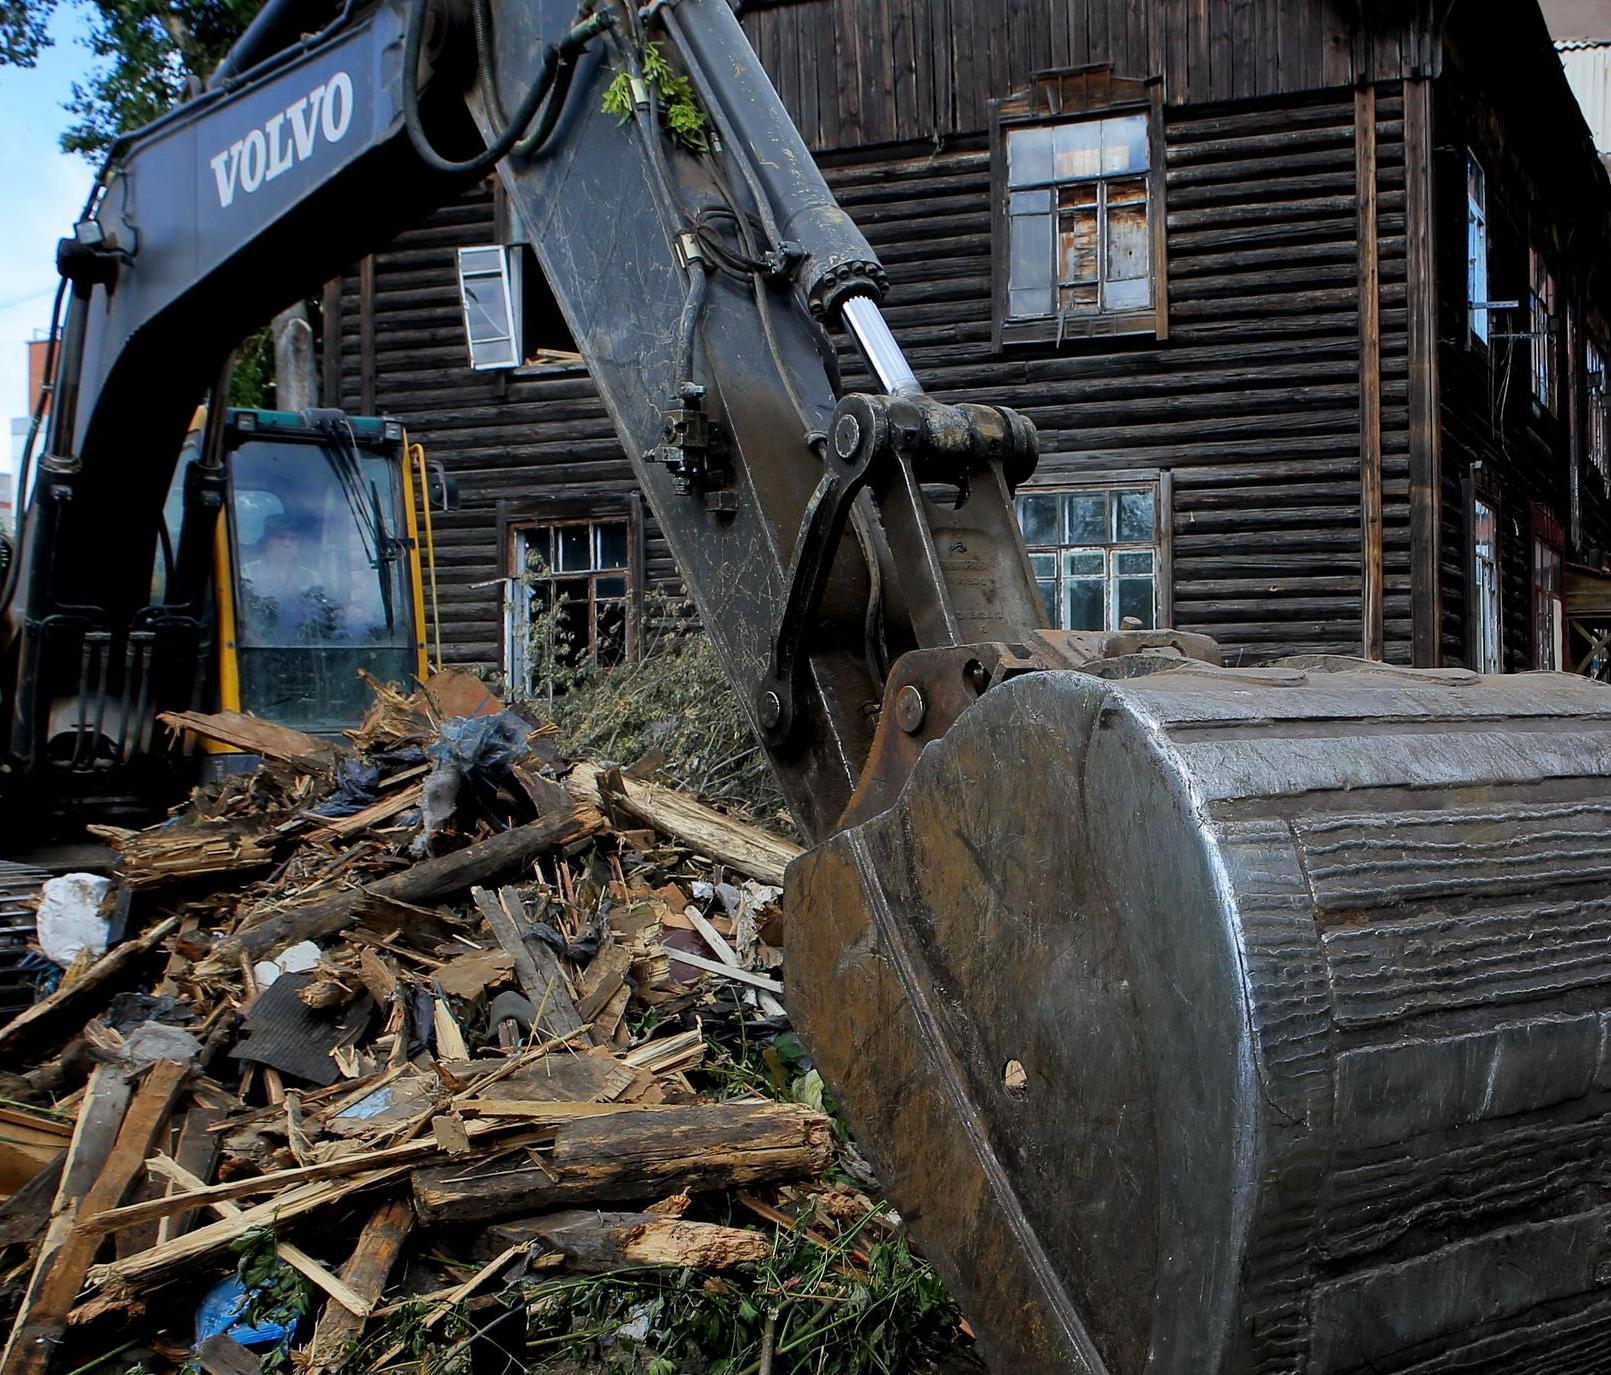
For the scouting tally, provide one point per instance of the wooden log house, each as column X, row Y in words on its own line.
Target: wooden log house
column 1310, row 300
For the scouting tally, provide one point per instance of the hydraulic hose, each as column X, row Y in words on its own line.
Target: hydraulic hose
column 510, row 135
column 688, row 323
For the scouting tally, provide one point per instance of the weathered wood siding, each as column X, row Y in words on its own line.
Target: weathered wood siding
column 1493, row 99
column 507, row 438
column 1252, row 404
column 856, row 72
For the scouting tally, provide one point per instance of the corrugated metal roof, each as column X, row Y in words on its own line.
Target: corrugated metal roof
column 1588, row 72
column 1574, row 44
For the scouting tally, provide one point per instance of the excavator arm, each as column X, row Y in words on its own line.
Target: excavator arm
column 1198, row 1019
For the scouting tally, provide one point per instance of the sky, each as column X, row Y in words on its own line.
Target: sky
column 42, row 190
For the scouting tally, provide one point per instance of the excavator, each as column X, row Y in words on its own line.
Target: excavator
column 314, row 571
column 1196, row 1018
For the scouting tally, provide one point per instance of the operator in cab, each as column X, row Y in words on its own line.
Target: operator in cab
column 283, row 592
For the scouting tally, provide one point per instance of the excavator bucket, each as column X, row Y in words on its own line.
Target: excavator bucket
column 1239, row 1020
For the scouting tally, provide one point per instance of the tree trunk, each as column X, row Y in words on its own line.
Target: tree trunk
column 295, row 383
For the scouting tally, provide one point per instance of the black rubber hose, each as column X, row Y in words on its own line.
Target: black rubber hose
column 688, row 324
column 553, row 56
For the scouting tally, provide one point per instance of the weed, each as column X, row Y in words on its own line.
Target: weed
column 684, row 121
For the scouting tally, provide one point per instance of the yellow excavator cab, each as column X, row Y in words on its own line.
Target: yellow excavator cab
column 319, row 565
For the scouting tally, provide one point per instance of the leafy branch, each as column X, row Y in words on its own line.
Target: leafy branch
column 685, row 123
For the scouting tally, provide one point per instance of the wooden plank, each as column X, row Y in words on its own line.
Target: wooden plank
column 1425, row 420
column 426, row 881
column 737, row 844
column 197, row 1152
column 536, row 969
column 192, row 1196
column 366, row 1271
column 135, row 1273
column 689, row 1148
column 254, row 736
column 66, row 1255
column 366, row 336
column 1370, row 379
column 330, row 316
column 593, row 1241
column 30, row 1026
column 294, row 1256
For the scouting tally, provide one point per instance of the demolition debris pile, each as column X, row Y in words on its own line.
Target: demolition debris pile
column 430, row 1053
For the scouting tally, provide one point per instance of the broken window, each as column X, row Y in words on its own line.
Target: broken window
column 511, row 318
column 1549, row 608
column 1486, row 642
column 1078, row 219
column 1541, row 327
column 1477, row 247
column 1095, row 553
column 486, row 291
column 571, row 584
column 1594, row 370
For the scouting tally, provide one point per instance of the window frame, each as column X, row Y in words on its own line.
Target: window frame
column 515, row 517
column 508, row 275
column 1067, row 97
column 1479, row 324
column 1543, row 302
column 1479, row 493
column 1161, row 484
column 1596, row 398
column 1547, row 534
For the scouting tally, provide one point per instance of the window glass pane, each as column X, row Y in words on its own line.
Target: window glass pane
column 1129, row 247
column 611, row 540
column 1024, row 305
column 488, row 259
column 1037, row 515
column 608, row 588
column 1083, row 563
column 1030, row 202
column 1077, row 149
column 1124, row 144
column 1047, row 587
column 486, row 309
column 1133, row 561
column 575, row 554
column 539, row 551
column 1131, row 295
column 1134, row 517
column 1029, row 156
column 1043, row 565
column 1082, row 602
column 1031, row 258
column 1087, row 518
column 1135, row 599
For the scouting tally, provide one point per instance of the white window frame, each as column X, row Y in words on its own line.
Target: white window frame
column 1102, row 181
column 1541, row 302
column 1487, row 596
column 1477, row 247
column 1594, row 369
column 501, row 346
column 520, row 585
column 1111, row 551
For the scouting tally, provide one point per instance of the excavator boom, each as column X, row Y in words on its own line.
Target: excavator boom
column 1199, row 1019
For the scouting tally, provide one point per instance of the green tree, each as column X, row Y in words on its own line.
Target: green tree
column 148, row 53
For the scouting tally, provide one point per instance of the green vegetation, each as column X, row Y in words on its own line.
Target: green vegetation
column 684, row 121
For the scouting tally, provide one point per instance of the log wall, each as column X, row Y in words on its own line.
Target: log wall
column 1292, row 425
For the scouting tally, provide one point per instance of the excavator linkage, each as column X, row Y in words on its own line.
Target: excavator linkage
column 1219, row 1020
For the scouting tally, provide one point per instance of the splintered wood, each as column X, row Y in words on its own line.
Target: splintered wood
column 328, row 1031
